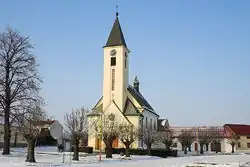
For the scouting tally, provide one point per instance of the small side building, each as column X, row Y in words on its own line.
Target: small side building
column 51, row 127
column 243, row 134
column 218, row 135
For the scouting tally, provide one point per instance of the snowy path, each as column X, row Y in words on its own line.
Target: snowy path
column 17, row 160
column 48, row 158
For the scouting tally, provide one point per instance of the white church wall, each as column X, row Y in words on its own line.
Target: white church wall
column 148, row 116
column 226, row 146
column 92, row 120
column 56, row 131
column 135, row 120
column 119, row 117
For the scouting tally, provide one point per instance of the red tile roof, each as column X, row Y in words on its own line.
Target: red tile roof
column 239, row 129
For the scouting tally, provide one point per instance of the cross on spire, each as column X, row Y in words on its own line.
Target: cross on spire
column 117, row 11
column 116, row 37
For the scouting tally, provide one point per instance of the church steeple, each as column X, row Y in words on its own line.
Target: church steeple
column 116, row 37
column 116, row 66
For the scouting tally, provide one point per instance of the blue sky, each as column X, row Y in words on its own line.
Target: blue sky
column 192, row 57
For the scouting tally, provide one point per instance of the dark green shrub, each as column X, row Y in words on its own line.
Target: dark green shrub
column 87, row 149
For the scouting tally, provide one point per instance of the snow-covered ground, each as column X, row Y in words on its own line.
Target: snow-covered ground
column 49, row 157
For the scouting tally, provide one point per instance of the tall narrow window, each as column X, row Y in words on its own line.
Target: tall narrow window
column 113, row 61
column 125, row 62
column 146, row 122
column 151, row 125
column 113, row 79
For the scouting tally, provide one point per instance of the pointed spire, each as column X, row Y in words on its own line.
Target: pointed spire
column 136, row 84
column 116, row 37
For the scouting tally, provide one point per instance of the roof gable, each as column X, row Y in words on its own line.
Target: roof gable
column 130, row 109
column 96, row 111
column 139, row 98
column 239, row 129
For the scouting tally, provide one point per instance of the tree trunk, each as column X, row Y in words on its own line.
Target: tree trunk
column 189, row 148
column 149, row 150
column 201, row 148
column 31, row 150
column 15, row 140
column 127, row 150
column 109, row 148
column 182, row 147
column 76, row 148
column 233, row 147
column 6, row 148
column 207, row 146
column 7, row 135
column 217, row 147
column 185, row 149
column 167, row 145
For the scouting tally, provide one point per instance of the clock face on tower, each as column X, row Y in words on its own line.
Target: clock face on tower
column 113, row 52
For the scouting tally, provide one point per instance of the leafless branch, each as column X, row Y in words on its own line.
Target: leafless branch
column 19, row 78
column 76, row 127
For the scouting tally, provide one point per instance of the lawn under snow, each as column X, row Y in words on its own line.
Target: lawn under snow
column 49, row 157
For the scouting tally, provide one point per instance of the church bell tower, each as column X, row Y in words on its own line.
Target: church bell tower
column 115, row 73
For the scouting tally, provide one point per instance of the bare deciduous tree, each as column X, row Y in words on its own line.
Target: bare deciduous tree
column 28, row 124
column 128, row 134
column 232, row 139
column 216, row 134
column 166, row 137
column 186, row 138
column 149, row 137
column 76, row 127
column 107, row 129
column 204, row 137
column 19, row 79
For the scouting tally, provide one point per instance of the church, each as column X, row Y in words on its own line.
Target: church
column 119, row 98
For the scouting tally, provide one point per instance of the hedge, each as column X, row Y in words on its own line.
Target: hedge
column 87, row 149
column 154, row 152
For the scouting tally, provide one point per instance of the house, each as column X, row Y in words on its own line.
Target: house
column 50, row 127
column 217, row 134
column 120, row 100
column 47, row 127
column 243, row 134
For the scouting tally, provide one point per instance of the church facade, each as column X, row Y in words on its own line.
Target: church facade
column 119, row 98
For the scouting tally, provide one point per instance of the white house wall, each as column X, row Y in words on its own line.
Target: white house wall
column 148, row 116
column 56, row 131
